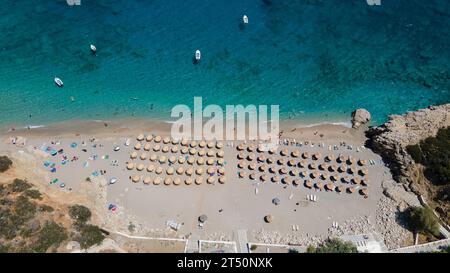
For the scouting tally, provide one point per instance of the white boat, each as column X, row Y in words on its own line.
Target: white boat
column 198, row 55
column 112, row 181
column 245, row 19
column 93, row 48
column 127, row 142
column 116, row 149
column 59, row 82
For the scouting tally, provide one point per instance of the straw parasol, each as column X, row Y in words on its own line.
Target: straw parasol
column 188, row 181
column 356, row 180
column 339, row 188
column 193, row 144
column 294, row 172
column 341, row 158
column 184, row 150
column 323, row 166
column 170, row 171
column 219, row 145
column 156, row 148
column 241, row 164
column 220, row 154
column 181, row 159
column 162, row 159
column 252, row 176
column 166, row 140
column 275, row 179
column 130, row 166
column 143, row 156
column 283, row 170
column 251, row 148
column 284, row 152
column 189, row 171
column 199, row 180
column 221, row 171
column 350, row 190
column 159, row 170
column 192, row 151
column 314, row 174
column 240, row 147
column 281, row 161
column 351, row 170
column 273, row 170
column 312, row 166
column 296, row 182
column 263, row 168
column 149, row 138
column 252, row 166
column 241, row 155
column 136, row 178
column 242, row 174
column 329, row 158
column 199, row 171
column 308, row 184
column 153, row 157
column 261, row 158
column 165, row 149
column 342, row 169
column 364, row 172
column 332, row 168
column 150, row 168
column 184, row 142
column 272, row 151
column 140, row 137
column 303, row 174
column 260, row 149
column 210, row 180
column 251, row 157
column 365, row 182
column 157, row 139
column 210, row 144
column 295, row 153
column 302, row 164
column 345, row 179
column 180, row 170
column 263, row 178
column 176, row 181
column 133, row 155
column 168, row 181
column 364, row 192
column 210, row 170
column 200, row 161
column 291, row 163
column 362, row 162
column 334, row 177
column 329, row 186
column 140, row 167
column 305, row 155
column 148, row 180
column 220, row 161
column 210, row 153
column 319, row 185
column 147, row 147
column 201, row 152
column 270, row 160
column 324, row 176
column 191, row 160
column 174, row 149
column 137, row 146
column 222, row 180
column 202, row 144
column 210, row 161
column 317, row 156
column 268, row 218
column 174, row 141
column 350, row 160
column 157, row 181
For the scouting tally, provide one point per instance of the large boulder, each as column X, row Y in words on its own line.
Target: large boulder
column 360, row 117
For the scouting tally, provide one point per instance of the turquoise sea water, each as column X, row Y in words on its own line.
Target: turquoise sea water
column 317, row 59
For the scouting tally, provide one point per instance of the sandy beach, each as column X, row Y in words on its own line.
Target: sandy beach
column 88, row 156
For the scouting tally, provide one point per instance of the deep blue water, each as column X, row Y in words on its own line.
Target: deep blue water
column 317, row 59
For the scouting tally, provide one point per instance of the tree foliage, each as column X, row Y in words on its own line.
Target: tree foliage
column 333, row 246
column 424, row 221
column 80, row 214
column 5, row 163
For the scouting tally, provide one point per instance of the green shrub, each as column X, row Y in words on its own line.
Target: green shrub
column 5, row 163
column 24, row 208
column 51, row 235
column 46, row 208
column 9, row 223
column 424, row 221
column 19, row 185
column 33, row 194
column 90, row 235
column 80, row 214
column 334, row 246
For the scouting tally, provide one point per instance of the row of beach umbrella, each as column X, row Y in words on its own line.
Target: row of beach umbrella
column 180, row 170
column 191, row 160
column 183, row 142
column 174, row 150
column 177, row 180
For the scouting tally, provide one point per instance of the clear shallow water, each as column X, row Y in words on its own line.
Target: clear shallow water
column 317, row 59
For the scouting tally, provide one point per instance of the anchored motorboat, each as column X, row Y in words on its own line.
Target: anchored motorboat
column 59, row 82
column 245, row 19
column 93, row 49
column 198, row 55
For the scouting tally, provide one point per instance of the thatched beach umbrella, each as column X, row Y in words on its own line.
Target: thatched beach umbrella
column 252, row 166
column 189, row 171
column 148, row 180
column 157, row 181
column 302, row 164
column 153, row 157
column 210, row 170
column 166, row 140
column 220, row 153
column 362, row 162
column 221, row 171
column 162, row 159
column 192, row 151
column 296, row 182
column 339, row 189
column 261, row 158
column 262, row 168
column 136, row 178
column 168, row 181
column 149, row 138
column 140, row 137
column 242, row 174
column 222, row 180
column 201, row 152
column 191, row 160
column 351, row 170
column 341, row 158
column 159, row 170
column 170, row 171
column 324, row 176
column 252, row 176
column 147, row 147
column 143, row 156
column 176, row 181
column 294, row 172
column 156, row 148
column 319, row 185
column 286, row 180
column 295, row 153
column 342, row 169
column 308, row 184
column 188, row 181
column 241, row 155
column 150, row 168
column 263, row 178
column 350, row 160
column 332, row 168
column 305, row 155
column 323, row 166
column 251, row 157
column 303, row 174
column 210, row 144
column 174, row 149
column 184, row 142
column 329, row 187
column 251, row 148
column 365, row 182
column 137, row 146
column 345, row 179
column 240, row 147
column 312, row 166
column 268, row 218
column 199, row 171
column 174, row 141
column 209, row 161
column 219, row 145
column 284, row 152
column 133, row 155
column 180, row 170
column 260, row 149
column 329, row 158
column 210, row 180
column 199, row 180
column 220, row 161
column 275, row 179
column 140, row 167
column 181, row 159
column 317, row 156
column 314, row 174
column 273, row 170
column 350, row 190
column 364, row 192
column 210, row 153
column 356, row 180
column 184, row 150
column 364, row 172
column 157, row 139
column 281, row 161
column 272, row 151
column 241, row 164
column 200, row 161
column 270, row 160
column 193, row 144
column 334, row 177
column 283, row 170
column 292, row 163
column 130, row 166
column 202, row 144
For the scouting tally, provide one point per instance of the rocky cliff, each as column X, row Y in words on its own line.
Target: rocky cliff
column 391, row 139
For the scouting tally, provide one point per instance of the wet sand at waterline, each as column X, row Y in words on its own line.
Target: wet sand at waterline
column 238, row 204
